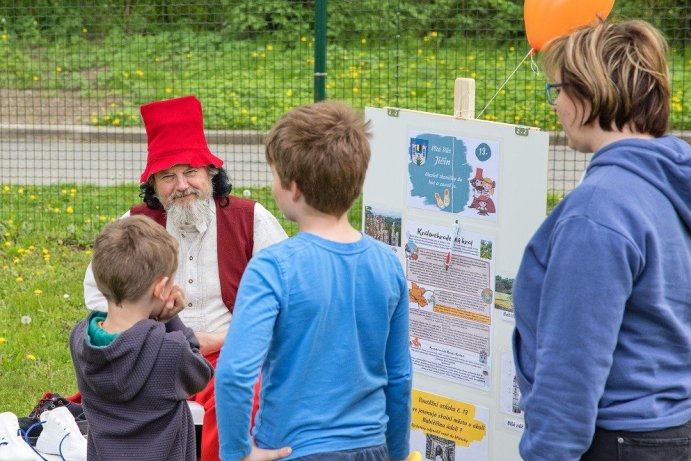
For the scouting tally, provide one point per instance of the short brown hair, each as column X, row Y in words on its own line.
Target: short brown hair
column 129, row 255
column 619, row 69
column 324, row 148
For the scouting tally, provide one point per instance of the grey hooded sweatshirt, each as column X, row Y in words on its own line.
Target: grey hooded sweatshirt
column 134, row 390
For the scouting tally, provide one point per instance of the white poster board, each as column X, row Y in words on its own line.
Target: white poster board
column 458, row 200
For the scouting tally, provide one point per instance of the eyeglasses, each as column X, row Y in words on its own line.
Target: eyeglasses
column 553, row 90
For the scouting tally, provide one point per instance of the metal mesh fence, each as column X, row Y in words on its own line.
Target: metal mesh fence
column 74, row 73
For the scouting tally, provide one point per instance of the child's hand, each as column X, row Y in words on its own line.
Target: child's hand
column 260, row 454
column 175, row 302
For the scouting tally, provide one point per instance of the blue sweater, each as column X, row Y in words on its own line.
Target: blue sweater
column 328, row 324
column 603, row 303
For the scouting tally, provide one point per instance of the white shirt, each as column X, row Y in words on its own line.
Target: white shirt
column 198, row 271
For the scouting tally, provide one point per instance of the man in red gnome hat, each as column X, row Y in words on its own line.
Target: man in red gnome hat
column 186, row 190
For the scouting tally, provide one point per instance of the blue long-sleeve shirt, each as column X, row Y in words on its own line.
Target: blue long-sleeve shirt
column 603, row 303
column 328, row 324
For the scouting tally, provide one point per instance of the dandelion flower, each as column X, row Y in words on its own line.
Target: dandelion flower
column 58, row 69
column 2, row 340
column 269, row 47
column 246, row 193
column 31, row 357
column 363, row 41
column 168, row 90
column 66, row 296
column 36, row 78
column 25, row 320
column 5, row 188
column 303, row 39
column 19, row 279
column 38, row 291
column 139, row 73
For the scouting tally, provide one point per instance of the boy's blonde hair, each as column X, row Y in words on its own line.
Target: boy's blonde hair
column 129, row 255
column 324, row 148
column 620, row 69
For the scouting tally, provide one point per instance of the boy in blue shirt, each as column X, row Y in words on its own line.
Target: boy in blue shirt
column 324, row 313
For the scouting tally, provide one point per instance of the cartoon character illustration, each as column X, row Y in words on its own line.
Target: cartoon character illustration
column 416, row 295
column 411, row 251
column 488, row 186
column 485, row 205
column 476, row 182
column 416, row 342
column 486, row 295
column 446, row 198
column 476, row 194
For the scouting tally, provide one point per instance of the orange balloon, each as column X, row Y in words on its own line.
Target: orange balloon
column 548, row 19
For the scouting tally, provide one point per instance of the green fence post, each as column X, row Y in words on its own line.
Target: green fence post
column 319, row 50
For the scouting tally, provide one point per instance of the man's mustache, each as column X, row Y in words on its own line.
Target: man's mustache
column 184, row 193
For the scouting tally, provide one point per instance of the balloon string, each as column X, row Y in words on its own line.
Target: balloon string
column 533, row 64
column 505, row 82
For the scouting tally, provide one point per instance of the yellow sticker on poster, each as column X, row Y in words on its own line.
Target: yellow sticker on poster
column 446, row 418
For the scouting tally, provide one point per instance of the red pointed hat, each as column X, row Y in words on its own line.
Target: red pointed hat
column 175, row 133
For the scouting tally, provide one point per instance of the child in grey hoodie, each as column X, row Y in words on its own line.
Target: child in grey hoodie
column 137, row 363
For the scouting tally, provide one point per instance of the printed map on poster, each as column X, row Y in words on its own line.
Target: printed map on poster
column 453, row 175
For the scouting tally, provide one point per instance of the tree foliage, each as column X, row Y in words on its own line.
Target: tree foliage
column 500, row 19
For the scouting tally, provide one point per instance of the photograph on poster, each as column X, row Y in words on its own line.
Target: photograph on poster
column 450, row 303
column 510, row 393
column 448, row 430
column 383, row 225
column 453, row 175
column 503, row 297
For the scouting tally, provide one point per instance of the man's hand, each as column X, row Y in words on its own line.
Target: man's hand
column 210, row 342
column 260, row 454
column 175, row 302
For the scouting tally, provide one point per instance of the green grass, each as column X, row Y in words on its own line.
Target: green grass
column 41, row 274
column 248, row 84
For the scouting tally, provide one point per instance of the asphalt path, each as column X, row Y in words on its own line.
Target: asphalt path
column 106, row 156
column 108, row 164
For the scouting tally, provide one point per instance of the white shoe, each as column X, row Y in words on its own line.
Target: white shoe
column 61, row 436
column 12, row 445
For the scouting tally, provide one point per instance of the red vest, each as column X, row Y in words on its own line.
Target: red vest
column 235, row 232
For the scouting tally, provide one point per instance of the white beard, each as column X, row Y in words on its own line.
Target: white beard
column 198, row 213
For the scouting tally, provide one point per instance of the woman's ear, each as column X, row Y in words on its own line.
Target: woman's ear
column 159, row 290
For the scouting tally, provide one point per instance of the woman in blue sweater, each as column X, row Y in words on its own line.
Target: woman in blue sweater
column 603, row 295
